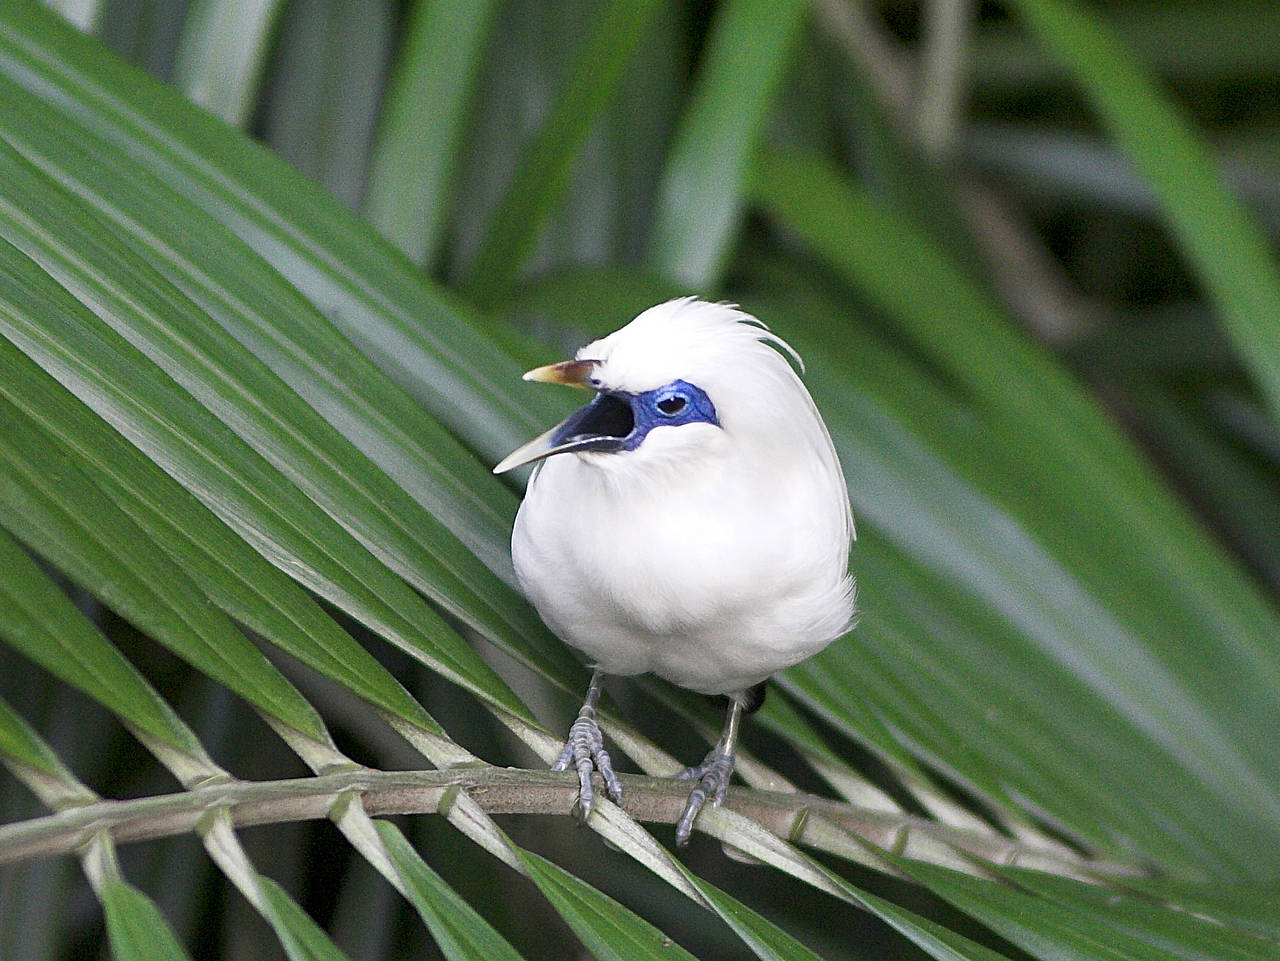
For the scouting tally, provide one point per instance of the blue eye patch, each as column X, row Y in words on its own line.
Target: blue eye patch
column 618, row 421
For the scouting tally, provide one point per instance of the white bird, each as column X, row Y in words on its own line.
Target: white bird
column 691, row 521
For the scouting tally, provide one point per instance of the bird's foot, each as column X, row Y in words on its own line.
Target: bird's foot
column 713, row 776
column 585, row 750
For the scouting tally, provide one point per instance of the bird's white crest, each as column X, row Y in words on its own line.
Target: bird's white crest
column 687, row 338
column 714, row 553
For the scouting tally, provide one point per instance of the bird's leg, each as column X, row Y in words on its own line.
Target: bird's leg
column 585, row 750
column 712, row 774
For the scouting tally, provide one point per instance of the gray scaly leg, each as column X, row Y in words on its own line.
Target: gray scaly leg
column 585, row 750
column 712, row 774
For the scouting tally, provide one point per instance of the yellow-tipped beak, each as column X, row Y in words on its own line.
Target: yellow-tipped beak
column 538, row 448
column 574, row 373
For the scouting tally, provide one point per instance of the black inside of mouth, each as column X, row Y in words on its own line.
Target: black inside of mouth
column 611, row 417
column 607, row 416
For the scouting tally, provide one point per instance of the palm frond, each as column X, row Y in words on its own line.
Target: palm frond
column 255, row 593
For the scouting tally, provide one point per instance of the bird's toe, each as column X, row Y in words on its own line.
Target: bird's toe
column 562, row 763
column 586, row 793
column 712, row 776
column 604, row 764
column 585, row 751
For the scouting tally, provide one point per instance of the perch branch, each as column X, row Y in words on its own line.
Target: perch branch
column 806, row 819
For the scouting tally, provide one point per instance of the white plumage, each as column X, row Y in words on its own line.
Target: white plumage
column 693, row 521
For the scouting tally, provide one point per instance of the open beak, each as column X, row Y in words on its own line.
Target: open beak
column 601, row 425
column 575, row 373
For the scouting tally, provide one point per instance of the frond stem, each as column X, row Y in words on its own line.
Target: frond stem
column 807, row 819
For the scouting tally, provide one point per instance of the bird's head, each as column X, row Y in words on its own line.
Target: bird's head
column 679, row 379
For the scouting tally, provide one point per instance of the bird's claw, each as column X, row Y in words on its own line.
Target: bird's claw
column 713, row 776
column 585, row 751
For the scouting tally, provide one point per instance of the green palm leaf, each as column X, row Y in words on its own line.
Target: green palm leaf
column 245, row 452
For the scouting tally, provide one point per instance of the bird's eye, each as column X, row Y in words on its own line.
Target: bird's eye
column 672, row 405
